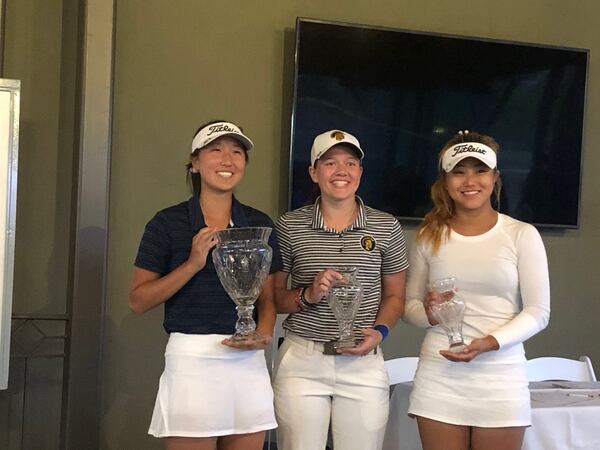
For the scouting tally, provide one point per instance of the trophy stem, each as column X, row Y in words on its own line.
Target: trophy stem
column 245, row 327
column 347, row 338
column 456, row 340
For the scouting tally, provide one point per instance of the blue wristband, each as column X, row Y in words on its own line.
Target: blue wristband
column 383, row 329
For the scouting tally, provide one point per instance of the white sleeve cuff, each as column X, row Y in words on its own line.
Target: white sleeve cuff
column 521, row 328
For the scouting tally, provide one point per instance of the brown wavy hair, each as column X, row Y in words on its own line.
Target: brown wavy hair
column 435, row 227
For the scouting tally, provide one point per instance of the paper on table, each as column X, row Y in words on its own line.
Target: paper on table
column 562, row 384
column 564, row 397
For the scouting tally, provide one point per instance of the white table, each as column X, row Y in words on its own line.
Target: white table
column 564, row 416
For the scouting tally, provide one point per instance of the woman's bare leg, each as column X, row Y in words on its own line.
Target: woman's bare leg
column 508, row 438
column 188, row 443
column 436, row 435
column 250, row 441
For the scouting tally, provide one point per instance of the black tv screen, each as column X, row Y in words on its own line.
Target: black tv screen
column 403, row 94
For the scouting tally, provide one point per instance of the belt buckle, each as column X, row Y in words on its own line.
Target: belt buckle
column 329, row 348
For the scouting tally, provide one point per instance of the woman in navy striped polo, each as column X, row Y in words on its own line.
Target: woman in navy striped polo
column 213, row 391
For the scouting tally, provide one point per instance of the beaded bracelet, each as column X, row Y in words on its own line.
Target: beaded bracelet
column 298, row 300
column 305, row 303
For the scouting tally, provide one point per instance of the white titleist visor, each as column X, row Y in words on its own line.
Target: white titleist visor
column 215, row 130
column 455, row 154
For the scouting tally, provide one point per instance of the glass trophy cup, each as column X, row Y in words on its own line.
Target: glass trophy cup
column 242, row 258
column 344, row 298
column 450, row 312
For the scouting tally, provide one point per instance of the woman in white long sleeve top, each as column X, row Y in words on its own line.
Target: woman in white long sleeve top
column 502, row 274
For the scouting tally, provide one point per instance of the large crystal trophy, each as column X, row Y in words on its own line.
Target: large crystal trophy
column 450, row 312
column 344, row 298
column 242, row 258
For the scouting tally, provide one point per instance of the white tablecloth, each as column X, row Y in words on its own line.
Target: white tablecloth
column 564, row 415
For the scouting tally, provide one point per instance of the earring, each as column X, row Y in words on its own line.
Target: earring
column 193, row 170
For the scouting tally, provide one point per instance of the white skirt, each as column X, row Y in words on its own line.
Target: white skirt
column 480, row 394
column 209, row 389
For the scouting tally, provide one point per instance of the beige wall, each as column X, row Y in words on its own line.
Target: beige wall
column 40, row 49
column 179, row 63
column 45, row 63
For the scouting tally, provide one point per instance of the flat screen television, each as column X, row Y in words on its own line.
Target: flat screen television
column 404, row 93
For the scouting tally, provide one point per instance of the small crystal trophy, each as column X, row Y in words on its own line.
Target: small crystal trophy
column 242, row 258
column 450, row 312
column 344, row 299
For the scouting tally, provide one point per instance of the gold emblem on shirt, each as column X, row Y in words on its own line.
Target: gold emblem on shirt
column 368, row 243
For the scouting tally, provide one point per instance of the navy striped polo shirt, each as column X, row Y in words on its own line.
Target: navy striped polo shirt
column 201, row 306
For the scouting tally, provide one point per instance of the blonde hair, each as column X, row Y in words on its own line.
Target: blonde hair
column 435, row 227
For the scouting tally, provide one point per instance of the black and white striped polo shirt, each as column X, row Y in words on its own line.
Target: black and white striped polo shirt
column 374, row 244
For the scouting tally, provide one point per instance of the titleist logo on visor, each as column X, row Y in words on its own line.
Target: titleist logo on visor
column 219, row 128
column 209, row 133
column 458, row 152
column 467, row 148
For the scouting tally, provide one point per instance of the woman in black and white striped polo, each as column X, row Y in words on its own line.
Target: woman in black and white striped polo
column 314, row 385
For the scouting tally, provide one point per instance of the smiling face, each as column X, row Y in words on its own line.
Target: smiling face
column 337, row 173
column 220, row 164
column 470, row 184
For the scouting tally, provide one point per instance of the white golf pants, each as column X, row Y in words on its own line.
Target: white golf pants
column 311, row 389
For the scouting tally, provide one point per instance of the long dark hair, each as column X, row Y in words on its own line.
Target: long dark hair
column 193, row 178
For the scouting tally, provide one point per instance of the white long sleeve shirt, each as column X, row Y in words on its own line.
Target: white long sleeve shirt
column 503, row 277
